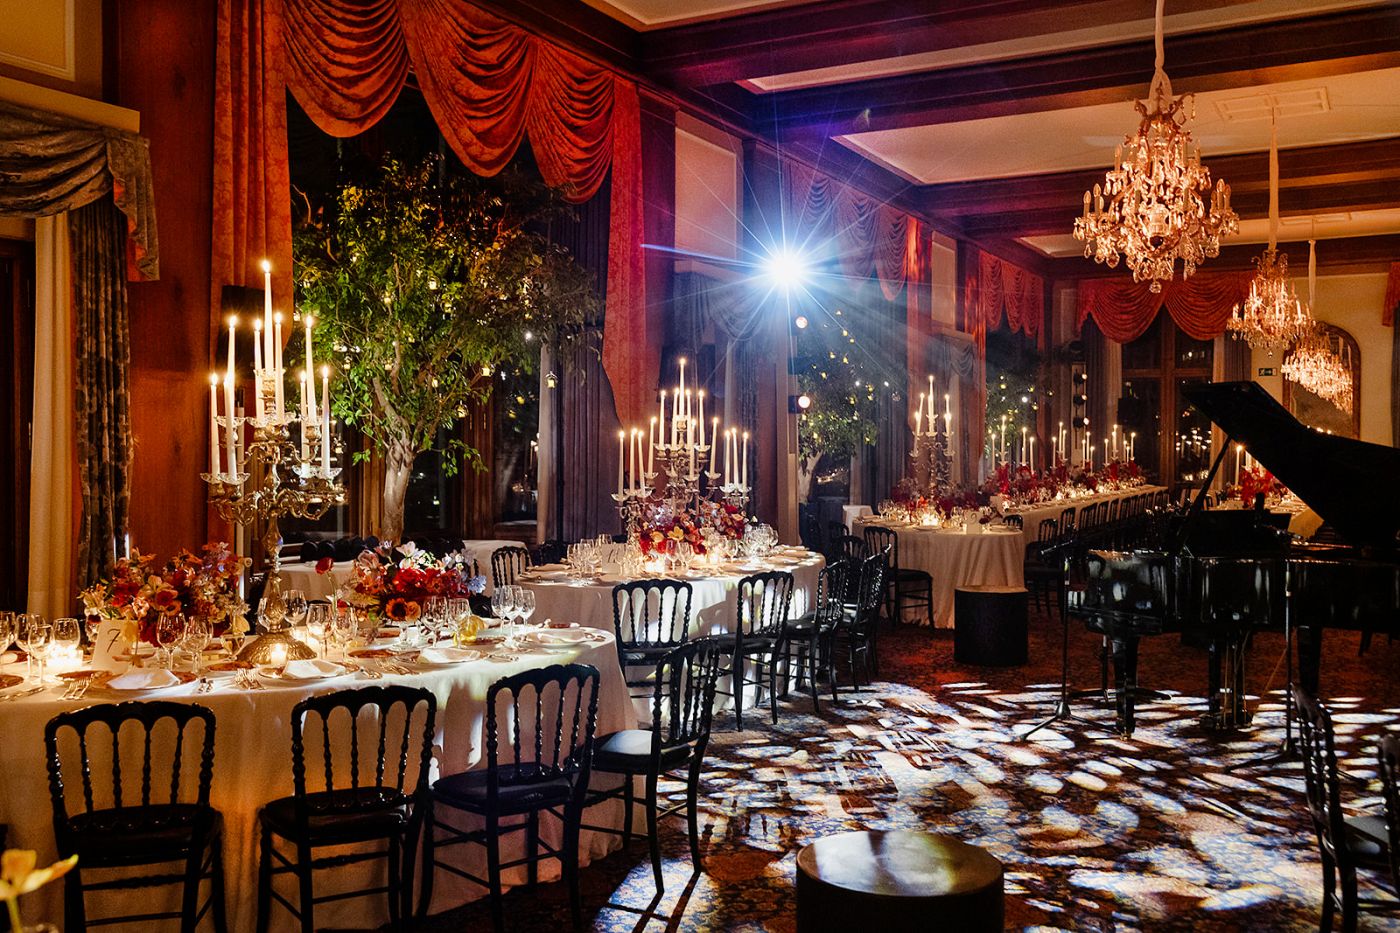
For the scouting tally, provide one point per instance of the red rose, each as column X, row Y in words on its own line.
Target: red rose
column 325, row 564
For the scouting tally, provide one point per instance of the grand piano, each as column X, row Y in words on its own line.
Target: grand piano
column 1216, row 577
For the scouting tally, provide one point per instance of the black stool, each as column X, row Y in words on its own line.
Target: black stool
column 898, row 880
column 989, row 625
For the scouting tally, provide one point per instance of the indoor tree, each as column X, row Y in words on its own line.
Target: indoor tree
column 424, row 282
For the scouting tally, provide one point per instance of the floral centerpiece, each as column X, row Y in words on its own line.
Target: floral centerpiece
column 202, row 586
column 1255, row 481
column 396, row 585
column 662, row 529
column 19, row 876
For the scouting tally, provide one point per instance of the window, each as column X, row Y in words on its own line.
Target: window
column 16, row 413
column 1172, row 442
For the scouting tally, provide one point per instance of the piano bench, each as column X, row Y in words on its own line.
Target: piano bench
column 990, row 627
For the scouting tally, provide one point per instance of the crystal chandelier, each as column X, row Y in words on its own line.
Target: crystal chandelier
column 1313, row 363
column 1271, row 319
column 1155, row 213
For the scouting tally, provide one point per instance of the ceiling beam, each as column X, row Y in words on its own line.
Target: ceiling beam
column 845, row 32
column 1244, row 56
column 1313, row 179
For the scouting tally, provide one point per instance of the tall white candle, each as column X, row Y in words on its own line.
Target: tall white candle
column 232, row 326
column 267, row 311
column 729, row 456
column 651, row 447
column 692, row 451
column 280, row 409
column 919, row 417
column 310, row 367
column 620, row 460
column 1032, row 453
column 714, row 441
column 326, row 420
column 306, row 414
column 744, row 463
column 681, row 392
column 662, row 430
column 948, row 420
column 257, row 369
column 701, row 421
column 231, row 424
column 214, row 425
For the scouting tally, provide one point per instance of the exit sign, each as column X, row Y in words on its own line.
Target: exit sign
column 1266, row 370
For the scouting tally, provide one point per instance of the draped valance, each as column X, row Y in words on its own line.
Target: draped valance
column 1200, row 306
column 490, row 86
column 869, row 237
column 1004, row 289
column 51, row 164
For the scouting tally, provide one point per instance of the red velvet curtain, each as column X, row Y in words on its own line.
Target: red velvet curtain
column 489, row 84
column 1200, row 305
column 1003, row 287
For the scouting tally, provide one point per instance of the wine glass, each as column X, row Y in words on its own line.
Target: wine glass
column 317, row 624
column 195, row 639
column 525, row 605
column 8, row 628
column 35, row 636
column 503, row 603
column 67, row 636
column 296, row 607
column 169, row 628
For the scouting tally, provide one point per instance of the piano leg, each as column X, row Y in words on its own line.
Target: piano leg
column 1125, row 658
column 1225, row 701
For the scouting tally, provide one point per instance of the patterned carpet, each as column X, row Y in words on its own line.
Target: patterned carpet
column 1177, row 829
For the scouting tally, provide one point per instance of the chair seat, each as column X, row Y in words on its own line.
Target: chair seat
column 523, row 788
column 342, row 815
column 143, row 835
column 752, row 643
column 1365, row 839
column 629, row 752
column 639, row 656
column 908, row 575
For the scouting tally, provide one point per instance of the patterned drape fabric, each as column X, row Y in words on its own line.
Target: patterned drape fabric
column 489, row 84
column 1200, row 305
column 100, row 395
column 51, row 163
column 1005, row 289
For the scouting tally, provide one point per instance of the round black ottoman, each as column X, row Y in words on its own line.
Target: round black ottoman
column 894, row 881
column 989, row 625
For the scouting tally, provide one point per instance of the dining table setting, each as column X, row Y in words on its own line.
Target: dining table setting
column 252, row 703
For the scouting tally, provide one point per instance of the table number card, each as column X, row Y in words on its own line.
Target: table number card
column 110, row 644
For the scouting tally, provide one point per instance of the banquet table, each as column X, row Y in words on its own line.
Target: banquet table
column 1033, row 515
column 714, row 594
column 302, row 575
column 253, row 765
column 981, row 555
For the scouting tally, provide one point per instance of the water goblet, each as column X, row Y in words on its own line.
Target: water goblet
column 35, row 636
column 8, row 629
column 169, row 629
column 296, row 607
column 67, row 636
column 525, row 605
column 195, row 639
column 317, row 626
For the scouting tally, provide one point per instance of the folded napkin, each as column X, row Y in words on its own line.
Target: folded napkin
column 144, row 678
column 447, row 654
column 565, row 636
column 312, row 669
column 548, row 568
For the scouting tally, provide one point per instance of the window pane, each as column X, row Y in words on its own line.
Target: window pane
column 1192, row 440
column 1146, row 351
column 1140, row 411
column 1193, row 354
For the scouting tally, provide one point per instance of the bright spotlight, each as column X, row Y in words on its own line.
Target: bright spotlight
column 801, row 322
column 786, row 269
column 797, row 404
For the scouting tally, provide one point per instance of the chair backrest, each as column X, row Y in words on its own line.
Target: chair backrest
column 1324, row 787
column 833, row 583
column 1066, row 523
column 375, row 747
column 1014, row 521
column 684, row 702
column 1047, row 532
column 121, row 754
column 764, row 599
column 871, row 583
column 651, row 613
column 849, row 546
column 550, row 715
column 550, row 552
column 1390, row 793
column 878, row 538
column 507, row 563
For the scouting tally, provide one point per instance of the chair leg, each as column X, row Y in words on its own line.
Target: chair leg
column 629, row 803
column 692, row 809
column 773, row 684
column 308, row 894
column 1329, row 893
column 812, row 653
column 264, row 881
column 532, row 848
column 573, row 817
column 216, row 885
column 736, row 680
column 74, row 909
column 1350, row 909
column 425, row 895
column 189, row 895
column 493, row 873
column 395, row 886
column 653, row 837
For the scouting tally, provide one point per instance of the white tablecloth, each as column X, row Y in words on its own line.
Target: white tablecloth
column 253, row 765
column 850, row 514
column 957, row 558
column 1033, row 515
column 303, row 576
column 713, row 603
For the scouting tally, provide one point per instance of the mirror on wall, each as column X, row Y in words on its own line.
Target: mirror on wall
column 1317, row 412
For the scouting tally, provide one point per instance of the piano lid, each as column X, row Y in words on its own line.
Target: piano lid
column 1347, row 482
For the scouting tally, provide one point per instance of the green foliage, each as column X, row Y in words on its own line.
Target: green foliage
column 843, row 380
column 422, row 280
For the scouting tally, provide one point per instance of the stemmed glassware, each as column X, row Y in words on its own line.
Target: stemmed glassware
column 169, row 630
column 8, row 630
column 503, row 603
column 318, row 625
column 67, row 635
column 296, row 607
column 524, row 604
column 35, row 635
column 194, row 640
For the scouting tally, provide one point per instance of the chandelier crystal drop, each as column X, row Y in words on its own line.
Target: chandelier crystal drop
column 1157, row 205
column 1271, row 319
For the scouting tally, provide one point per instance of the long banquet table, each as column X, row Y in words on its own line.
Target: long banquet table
column 252, row 765
column 302, row 575
column 1033, row 515
column 990, row 555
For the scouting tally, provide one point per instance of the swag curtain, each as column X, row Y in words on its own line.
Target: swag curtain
column 1200, row 305
column 490, row 86
column 1004, row 289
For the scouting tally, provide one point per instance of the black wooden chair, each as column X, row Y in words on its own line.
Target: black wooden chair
column 859, row 627
column 1014, row 521
column 847, row 547
column 361, row 800
column 902, row 584
column 152, row 821
column 1345, row 844
column 682, row 711
column 554, row 712
column 650, row 617
column 763, row 600
column 1389, row 756
column 1043, row 568
column 813, row 634
column 550, row 552
column 507, row 563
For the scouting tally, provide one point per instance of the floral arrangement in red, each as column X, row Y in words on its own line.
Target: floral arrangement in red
column 663, row 530
column 201, row 586
column 1254, row 481
column 397, row 585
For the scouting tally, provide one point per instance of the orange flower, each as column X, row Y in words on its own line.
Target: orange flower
column 403, row 610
